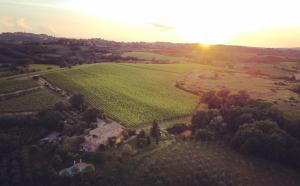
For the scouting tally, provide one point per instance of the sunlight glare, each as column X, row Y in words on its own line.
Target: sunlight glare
column 193, row 20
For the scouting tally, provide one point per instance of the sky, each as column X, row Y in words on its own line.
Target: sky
column 263, row 23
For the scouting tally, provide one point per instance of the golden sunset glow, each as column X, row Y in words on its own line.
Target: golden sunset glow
column 222, row 22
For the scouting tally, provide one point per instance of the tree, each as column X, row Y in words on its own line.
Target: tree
column 51, row 119
column 296, row 89
column 60, row 106
column 77, row 101
column 95, row 157
column 204, row 134
column 202, row 118
column 223, row 93
column 57, row 161
column 4, row 167
column 8, row 143
column 243, row 97
column 266, row 139
column 91, row 115
column 141, row 142
column 218, row 125
column 155, row 131
column 142, row 134
column 177, row 128
column 15, row 173
column 211, row 99
column 128, row 150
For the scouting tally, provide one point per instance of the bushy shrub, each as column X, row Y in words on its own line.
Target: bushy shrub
column 252, row 126
column 91, row 114
column 95, row 157
column 217, row 100
column 177, row 128
column 60, row 106
column 265, row 138
column 142, row 142
column 204, row 134
column 52, row 120
column 77, row 101
column 296, row 89
column 202, row 118
column 127, row 150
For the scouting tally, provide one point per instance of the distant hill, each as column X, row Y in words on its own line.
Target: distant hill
column 20, row 48
column 21, row 37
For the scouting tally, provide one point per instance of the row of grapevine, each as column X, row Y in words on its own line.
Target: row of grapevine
column 128, row 93
column 199, row 163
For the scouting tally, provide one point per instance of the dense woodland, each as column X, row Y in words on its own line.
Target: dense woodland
column 26, row 160
column 249, row 126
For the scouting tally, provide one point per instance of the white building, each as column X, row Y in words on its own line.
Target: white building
column 101, row 134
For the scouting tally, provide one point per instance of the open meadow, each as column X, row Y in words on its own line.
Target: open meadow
column 270, row 84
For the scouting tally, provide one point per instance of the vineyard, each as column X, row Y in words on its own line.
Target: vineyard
column 203, row 163
column 34, row 101
column 15, row 85
column 131, row 94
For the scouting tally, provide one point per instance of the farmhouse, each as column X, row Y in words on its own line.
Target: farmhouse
column 295, row 77
column 101, row 135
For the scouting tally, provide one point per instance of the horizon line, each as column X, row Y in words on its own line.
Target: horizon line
column 170, row 42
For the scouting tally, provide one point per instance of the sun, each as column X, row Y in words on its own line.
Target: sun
column 195, row 24
column 196, row 21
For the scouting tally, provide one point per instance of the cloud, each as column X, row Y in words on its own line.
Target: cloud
column 20, row 24
column 162, row 27
column 6, row 22
column 14, row 24
column 34, row 3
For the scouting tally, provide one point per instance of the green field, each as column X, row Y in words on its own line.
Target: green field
column 203, row 163
column 131, row 94
column 155, row 56
column 15, row 85
column 35, row 101
column 43, row 67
